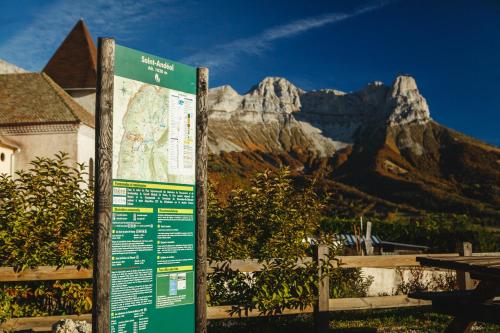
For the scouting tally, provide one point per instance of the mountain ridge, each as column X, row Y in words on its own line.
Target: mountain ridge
column 380, row 140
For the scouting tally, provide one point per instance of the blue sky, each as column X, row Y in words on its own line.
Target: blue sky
column 451, row 47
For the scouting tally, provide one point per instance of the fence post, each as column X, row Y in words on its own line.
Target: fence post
column 201, row 199
column 103, row 186
column 464, row 281
column 321, row 308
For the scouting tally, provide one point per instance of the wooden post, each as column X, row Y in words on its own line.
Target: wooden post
column 201, row 199
column 464, row 281
column 368, row 239
column 91, row 173
column 103, row 186
column 321, row 308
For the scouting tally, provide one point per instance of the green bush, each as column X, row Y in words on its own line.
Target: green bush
column 417, row 281
column 46, row 216
column 35, row 299
column 271, row 219
column 349, row 282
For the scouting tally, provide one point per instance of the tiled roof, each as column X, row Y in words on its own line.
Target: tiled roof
column 74, row 64
column 33, row 98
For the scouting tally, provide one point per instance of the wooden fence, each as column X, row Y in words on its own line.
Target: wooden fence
column 323, row 306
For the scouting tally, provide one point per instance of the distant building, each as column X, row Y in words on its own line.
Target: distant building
column 74, row 66
column 38, row 118
column 355, row 245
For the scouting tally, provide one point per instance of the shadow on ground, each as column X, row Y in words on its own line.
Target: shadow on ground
column 354, row 330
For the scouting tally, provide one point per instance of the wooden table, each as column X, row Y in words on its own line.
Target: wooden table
column 466, row 306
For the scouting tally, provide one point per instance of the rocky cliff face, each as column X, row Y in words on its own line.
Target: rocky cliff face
column 275, row 115
column 404, row 103
column 262, row 120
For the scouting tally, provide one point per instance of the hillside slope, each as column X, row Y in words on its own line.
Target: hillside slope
column 377, row 146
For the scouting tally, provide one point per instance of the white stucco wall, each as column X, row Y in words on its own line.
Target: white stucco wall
column 86, row 145
column 85, row 98
column 6, row 160
column 78, row 141
column 43, row 140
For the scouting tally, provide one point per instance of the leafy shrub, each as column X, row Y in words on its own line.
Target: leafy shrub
column 46, row 216
column 349, row 282
column 278, row 286
column 271, row 219
column 44, row 299
column 418, row 281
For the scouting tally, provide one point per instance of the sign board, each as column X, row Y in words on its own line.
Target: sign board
column 152, row 283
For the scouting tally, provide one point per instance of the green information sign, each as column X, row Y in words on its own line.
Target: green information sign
column 153, row 226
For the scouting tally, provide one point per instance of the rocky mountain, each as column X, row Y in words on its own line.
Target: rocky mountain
column 262, row 120
column 326, row 119
column 378, row 145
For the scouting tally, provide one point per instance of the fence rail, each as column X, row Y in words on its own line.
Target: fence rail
column 222, row 312
column 48, row 273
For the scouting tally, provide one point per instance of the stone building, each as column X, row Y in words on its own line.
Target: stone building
column 44, row 113
column 38, row 118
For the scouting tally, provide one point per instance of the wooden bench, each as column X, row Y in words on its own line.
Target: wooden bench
column 463, row 304
column 467, row 306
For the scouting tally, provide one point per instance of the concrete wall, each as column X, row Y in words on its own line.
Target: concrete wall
column 78, row 141
column 86, row 146
column 85, row 98
column 387, row 280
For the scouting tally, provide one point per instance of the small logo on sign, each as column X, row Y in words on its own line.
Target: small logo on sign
column 157, row 77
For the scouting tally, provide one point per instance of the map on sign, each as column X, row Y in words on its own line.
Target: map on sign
column 154, row 135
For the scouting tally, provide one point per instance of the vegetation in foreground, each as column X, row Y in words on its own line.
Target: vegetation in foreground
column 46, row 219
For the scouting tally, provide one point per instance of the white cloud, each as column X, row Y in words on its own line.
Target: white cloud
column 227, row 54
column 31, row 47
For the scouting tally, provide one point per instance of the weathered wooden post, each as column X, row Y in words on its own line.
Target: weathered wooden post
column 463, row 278
column 464, row 282
column 103, row 186
column 201, row 199
column 321, row 308
column 368, row 239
